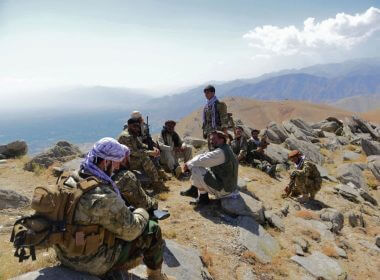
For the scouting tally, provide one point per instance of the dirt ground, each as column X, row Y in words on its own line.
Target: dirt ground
column 213, row 235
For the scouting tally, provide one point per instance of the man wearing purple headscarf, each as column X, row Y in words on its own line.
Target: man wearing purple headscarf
column 215, row 116
column 136, row 237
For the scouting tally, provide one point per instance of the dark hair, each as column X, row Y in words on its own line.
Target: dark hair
column 98, row 160
column 133, row 121
column 209, row 88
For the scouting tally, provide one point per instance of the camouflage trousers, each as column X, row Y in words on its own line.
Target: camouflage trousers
column 259, row 160
column 146, row 164
column 305, row 186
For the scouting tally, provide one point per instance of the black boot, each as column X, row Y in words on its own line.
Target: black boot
column 192, row 192
column 272, row 171
column 201, row 200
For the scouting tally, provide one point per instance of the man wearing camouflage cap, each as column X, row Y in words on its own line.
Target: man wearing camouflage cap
column 127, row 235
column 305, row 180
column 214, row 172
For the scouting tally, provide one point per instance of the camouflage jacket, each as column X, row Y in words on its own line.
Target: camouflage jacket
column 101, row 206
column 134, row 143
column 307, row 172
column 221, row 122
column 239, row 147
column 132, row 192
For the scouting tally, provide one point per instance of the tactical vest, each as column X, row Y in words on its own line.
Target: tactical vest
column 53, row 221
column 225, row 175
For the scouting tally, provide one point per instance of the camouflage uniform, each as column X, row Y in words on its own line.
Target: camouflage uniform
column 239, row 147
column 136, row 235
column 139, row 159
column 132, row 192
column 305, row 180
column 258, row 159
column 222, row 120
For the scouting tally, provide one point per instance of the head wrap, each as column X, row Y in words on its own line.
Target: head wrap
column 133, row 121
column 109, row 149
column 136, row 115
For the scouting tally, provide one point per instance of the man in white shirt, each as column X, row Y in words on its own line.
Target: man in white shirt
column 214, row 172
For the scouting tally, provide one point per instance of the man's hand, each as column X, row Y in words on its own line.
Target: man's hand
column 154, row 153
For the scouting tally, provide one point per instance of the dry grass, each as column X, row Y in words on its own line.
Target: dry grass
column 207, row 259
column 38, row 170
column 307, row 215
column 249, row 257
column 330, row 251
column 371, row 179
column 313, row 234
column 169, row 233
column 14, row 268
column 163, row 196
column 351, row 147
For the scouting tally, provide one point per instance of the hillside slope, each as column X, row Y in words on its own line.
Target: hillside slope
column 258, row 113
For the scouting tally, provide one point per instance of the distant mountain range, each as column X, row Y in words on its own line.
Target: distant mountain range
column 84, row 114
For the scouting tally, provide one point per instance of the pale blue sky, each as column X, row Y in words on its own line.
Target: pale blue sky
column 159, row 44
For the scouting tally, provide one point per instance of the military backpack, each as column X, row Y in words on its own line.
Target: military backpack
column 52, row 224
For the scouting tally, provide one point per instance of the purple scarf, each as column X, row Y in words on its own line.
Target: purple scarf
column 108, row 149
column 210, row 105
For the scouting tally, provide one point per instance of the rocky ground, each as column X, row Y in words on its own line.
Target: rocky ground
column 267, row 237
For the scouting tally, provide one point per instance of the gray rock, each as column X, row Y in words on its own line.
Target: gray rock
column 298, row 250
column 365, row 127
column 377, row 240
column 357, row 140
column 285, row 210
column 330, row 126
column 322, row 171
column 349, row 172
column 349, row 192
column 369, row 246
column 303, row 243
column 62, row 151
column 254, row 237
column 333, row 216
column 242, row 184
column 12, row 199
column 370, row 148
column 367, row 197
column 274, row 220
column 373, row 163
column 277, row 153
column 244, row 205
column 323, row 228
column 321, row 266
column 244, row 272
column 348, row 155
column 341, row 252
column 276, row 133
column 56, row 272
column 356, row 219
column 333, row 144
column 195, row 142
column 3, row 161
column 300, row 130
column 308, row 149
column 14, row 149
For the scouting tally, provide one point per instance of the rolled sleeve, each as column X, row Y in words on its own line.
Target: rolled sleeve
column 209, row 159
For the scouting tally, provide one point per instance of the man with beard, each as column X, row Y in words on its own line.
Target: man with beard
column 127, row 237
column 239, row 144
column 139, row 158
column 172, row 148
column 214, row 172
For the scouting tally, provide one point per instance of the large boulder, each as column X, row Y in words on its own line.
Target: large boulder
column 14, row 149
column 349, row 155
column 374, row 166
column 333, row 216
column 301, row 131
column 321, row 266
column 255, row 238
column 310, row 150
column 62, row 151
column 276, row 133
column 277, row 153
column 195, row 142
column 366, row 127
column 350, row 172
column 12, row 199
column 370, row 148
column 56, row 272
column 244, row 205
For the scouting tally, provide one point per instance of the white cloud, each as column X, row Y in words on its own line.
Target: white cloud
column 342, row 32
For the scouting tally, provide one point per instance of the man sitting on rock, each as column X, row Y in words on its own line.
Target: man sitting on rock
column 139, row 158
column 305, row 180
column 172, row 148
column 256, row 154
column 129, row 237
column 239, row 144
column 214, row 172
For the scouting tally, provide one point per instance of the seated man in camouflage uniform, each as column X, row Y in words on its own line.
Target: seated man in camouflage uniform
column 139, row 158
column 305, row 180
column 239, row 144
column 256, row 154
column 135, row 234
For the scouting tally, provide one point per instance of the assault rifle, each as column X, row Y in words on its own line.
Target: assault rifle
column 149, row 139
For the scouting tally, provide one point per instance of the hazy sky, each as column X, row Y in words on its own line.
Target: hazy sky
column 160, row 44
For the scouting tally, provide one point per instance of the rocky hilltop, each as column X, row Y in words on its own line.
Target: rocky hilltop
column 260, row 235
